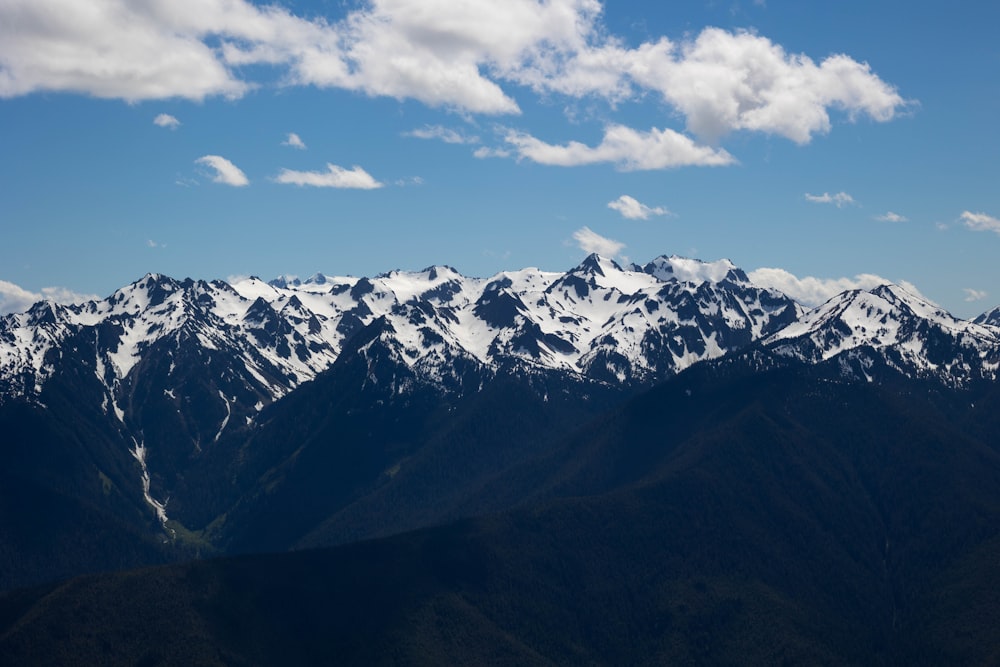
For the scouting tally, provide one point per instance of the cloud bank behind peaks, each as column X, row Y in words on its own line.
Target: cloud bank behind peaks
column 811, row 291
column 16, row 299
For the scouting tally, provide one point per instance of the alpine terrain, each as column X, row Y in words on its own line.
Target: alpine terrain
column 615, row 464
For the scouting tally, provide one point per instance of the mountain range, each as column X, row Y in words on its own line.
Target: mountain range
column 611, row 464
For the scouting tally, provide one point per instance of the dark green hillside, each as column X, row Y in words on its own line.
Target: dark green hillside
column 67, row 495
column 349, row 457
column 779, row 518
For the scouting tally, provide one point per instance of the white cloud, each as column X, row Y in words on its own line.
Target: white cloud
column 891, row 217
column 442, row 53
column 980, row 222
column 839, row 199
column 627, row 149
column 226, row 172
column 812, row 291
column 633, row 209
column 445, row 134
column 16, row 299
column 295, row 141
column 590, row 241
column 166, row 120
column 111, row 49
column 150, row 243
column 333, row 177
column 723, row 81
column 974, row 294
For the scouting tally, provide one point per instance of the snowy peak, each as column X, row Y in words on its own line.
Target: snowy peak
column 600, row 320
column 989, row 318
column 912, row 334
column 596, row 265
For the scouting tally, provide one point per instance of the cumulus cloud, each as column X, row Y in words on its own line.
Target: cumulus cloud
column 225, row 172
column 442, row 53
column 333, row 177
column 109, row 49
column 725, row 81
column 633, row 209
column 812, row 291
column 295, row 141
column 627, row 149
column 166, row 120
column 590, row 241
column 891, row 217
column 839, row 199
column 980, row 222
column 974, row 294
column 16, row 299
column 445, row 134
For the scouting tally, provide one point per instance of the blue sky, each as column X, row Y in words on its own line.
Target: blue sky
column 821, row 145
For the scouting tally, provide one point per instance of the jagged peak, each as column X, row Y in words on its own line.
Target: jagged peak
column 884, row 316
column 595, row 264
column 990, row 317
column 285, row 281
column 435, row 271
column 45, row 312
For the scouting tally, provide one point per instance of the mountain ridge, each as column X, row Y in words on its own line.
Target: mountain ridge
column 216, row 408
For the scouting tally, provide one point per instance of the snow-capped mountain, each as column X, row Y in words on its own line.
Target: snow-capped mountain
column 175, row 366
column 890, row 325
column 599, row 320
column 156, row 399
column 991, row 317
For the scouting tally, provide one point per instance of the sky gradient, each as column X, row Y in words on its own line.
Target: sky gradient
column 820, row 146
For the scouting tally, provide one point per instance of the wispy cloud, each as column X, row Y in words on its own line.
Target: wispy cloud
column 295, row 141
column 633, row 209
column 891, row 217
column 150, row 243
column 627, row 149
column 16, row 299
column 166, row 120
column 974, row 294
column 839, row 199
column 225, row 172
column 812, row 291
column 590, row 241
column 333, row 177
column 484, row 152
column 441, row 133
column 412, row 180
column 980, row 222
